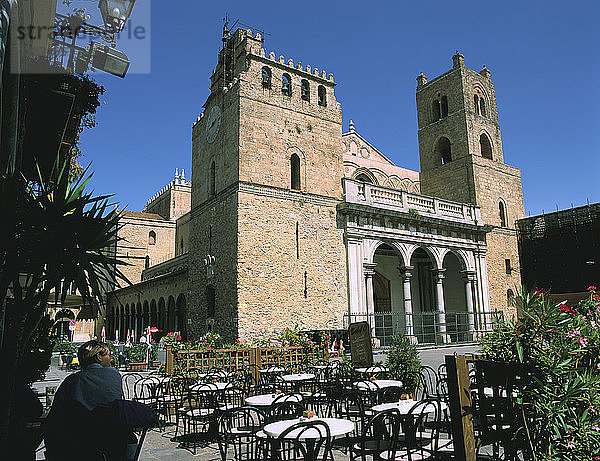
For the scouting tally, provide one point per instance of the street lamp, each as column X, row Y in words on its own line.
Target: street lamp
column 115, row 12
column 109, row 60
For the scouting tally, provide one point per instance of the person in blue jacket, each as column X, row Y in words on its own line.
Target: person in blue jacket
column 97, row 384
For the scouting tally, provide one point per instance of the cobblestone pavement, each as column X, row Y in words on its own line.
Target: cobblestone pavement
column 158, row 445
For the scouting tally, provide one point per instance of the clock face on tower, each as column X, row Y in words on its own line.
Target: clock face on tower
column 213, row 123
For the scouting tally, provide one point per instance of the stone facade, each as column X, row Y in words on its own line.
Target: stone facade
column 292, row 222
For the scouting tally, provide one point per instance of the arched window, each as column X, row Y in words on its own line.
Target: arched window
column 286, row 85
column 502, row 214
column 295, row 171
column 305, row 90
column 476, row 102
column 266, row 77
column 444, row 106
column 322, row 96
column 443, row 150
column 364, row 178
column 510, row 297
column 435, row 107
column 482, row 106
column 212, row 179
column 210, row 301
column 152, row 238
column 485, row 147
column 147, row 263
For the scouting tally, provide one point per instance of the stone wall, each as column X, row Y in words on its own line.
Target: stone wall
column 214, row 232
column 135, row 244
column 291, row 264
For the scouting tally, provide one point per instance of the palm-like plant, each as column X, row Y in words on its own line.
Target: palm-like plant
column 54, row 231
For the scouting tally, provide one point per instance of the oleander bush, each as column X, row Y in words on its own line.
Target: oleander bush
column 560, row 403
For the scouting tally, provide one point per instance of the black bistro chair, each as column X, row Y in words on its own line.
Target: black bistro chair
column 239, row 434
column 304, row 441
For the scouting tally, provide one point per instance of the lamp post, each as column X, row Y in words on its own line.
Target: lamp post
column 114, row 14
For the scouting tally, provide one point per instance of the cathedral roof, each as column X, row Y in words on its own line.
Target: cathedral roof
column 141, row 214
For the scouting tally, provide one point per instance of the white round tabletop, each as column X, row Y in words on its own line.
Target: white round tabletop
column 404, row 406
column 272, row 370
column 336, row 426
column 263, row 400
column 209, row 387
column 379, row 384
column 373, row 369
column 298, row 377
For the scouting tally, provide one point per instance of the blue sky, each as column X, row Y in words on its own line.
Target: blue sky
column 544, row 57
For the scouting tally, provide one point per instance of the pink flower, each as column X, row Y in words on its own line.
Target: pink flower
column 591, row 288
column 571, row 444
column 583, row 341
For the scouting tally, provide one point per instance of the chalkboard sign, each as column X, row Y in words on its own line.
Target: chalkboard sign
column 360, row 344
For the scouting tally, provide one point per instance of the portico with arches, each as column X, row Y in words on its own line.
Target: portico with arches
column 418, row 271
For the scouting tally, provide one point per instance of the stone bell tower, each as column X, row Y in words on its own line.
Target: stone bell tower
column 460, row 148
column 266, row 252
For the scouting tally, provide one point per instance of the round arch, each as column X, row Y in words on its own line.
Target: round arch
column 432, row 252
column 153, row 314
column 181, row 316
column 171, row 314
column 363, row 172
column 162, row 315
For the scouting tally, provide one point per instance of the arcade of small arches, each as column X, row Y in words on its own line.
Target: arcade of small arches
column 166, row 314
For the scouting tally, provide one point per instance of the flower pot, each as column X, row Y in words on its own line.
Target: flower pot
column 137, row 366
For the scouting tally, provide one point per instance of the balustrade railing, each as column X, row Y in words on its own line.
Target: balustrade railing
column 428, row 327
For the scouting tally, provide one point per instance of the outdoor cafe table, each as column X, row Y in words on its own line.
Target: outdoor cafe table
column 336, row 426
column 379, row 384
column 209, row 387
column 373, row 369
column 272, row 370
column 404, row 406
column 266, row 400
column 295, row 377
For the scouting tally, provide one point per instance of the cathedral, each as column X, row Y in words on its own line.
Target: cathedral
column 287, row 220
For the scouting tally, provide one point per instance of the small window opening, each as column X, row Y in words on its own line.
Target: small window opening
column 502, row 213
column 147, row 263
column 485, row 147
column 510, row 297
column 436, row 110
column 181, row 247
column 286, row 85
column 305, row 284
column 482, row 106
column 444, row 106
column 266, row 77
column 507, row 266
column 295, row 171
column 305, row 90
column 476, row 102
column 212, row 179
column 444, row 150
column 322, row 96
column 152, row 238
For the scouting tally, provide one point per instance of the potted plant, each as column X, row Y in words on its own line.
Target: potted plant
column 137, row 356
column 403, row 362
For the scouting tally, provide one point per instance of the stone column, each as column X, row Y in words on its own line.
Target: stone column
column 355, row 295
column 441, row 310
column 406, row 273
column 470, row 277
column 484, row 307
column 369, row 270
